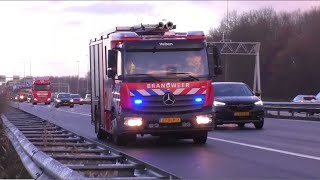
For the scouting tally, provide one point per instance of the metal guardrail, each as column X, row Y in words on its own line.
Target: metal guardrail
column 51, row 152
column 308, row 108
column 38, row 164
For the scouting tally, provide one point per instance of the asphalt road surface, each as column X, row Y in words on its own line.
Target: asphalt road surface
column 284, row 149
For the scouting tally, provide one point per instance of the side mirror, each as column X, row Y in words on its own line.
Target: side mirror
column 111, row 73
column 111, row 62
column 112, row 58
column 257, row 94
column 214, row 61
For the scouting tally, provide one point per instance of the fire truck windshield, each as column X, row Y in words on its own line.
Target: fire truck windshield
column 159, row 63
column 42, row 87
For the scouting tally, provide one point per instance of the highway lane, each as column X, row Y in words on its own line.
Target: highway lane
column 223, row 156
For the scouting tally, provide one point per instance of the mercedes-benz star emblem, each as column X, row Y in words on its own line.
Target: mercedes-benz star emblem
column 168, row 99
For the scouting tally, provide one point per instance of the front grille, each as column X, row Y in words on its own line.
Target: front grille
column 182, row 104
column 240, row 107
column 42, row 98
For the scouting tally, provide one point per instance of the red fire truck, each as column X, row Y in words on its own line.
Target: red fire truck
column 148, row 79
column 41, row 90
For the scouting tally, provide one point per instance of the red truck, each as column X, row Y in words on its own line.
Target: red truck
column 148, row 79
column 41, row 90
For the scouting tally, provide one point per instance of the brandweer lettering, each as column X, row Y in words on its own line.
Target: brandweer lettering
column 168, row 85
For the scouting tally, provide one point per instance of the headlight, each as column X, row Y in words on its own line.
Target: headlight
column 49, row 99
column 217, row 103
column 133, row 121
column 203, row 119
column 259, row 103
column 71, row 100
column 21, row 97
column 81, row 99
column 58, row 100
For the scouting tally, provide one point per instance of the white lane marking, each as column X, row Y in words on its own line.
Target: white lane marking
column 267, row 149
column 294, row 120
column 74, row 112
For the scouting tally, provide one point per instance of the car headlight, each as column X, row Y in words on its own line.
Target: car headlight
column 259, row 103
column 58, row 100
column 71, row 100
column 217, row 103
column 21, row 97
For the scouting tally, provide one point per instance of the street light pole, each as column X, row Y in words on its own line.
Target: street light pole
column 78, row 78
column 88, row 75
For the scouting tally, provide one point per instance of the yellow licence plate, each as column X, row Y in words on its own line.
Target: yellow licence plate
column 170, row 120
column 241, row 114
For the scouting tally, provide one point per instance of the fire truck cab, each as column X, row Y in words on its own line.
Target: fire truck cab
column 148, row 79
column 41, row 90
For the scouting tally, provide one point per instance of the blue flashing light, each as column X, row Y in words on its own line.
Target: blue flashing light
column 138, row 101
column 198, row 100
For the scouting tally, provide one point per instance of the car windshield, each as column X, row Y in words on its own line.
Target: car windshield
column 309, row 98
column 42, row 87
column 64, row 96
column 75, row 96
column 166, row 62
column 231, row 90
column 89, row 96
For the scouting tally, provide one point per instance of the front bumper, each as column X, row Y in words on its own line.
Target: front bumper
column 41, row 100
column 151, row 123
column 224, row 115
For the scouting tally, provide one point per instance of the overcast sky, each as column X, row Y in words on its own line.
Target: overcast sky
column 54, row 35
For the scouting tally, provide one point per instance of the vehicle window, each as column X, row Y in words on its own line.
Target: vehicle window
column 193, row 62
column 75, row 96
column 64, row 96
column 231, row 90
column 308, row 98
column 42, row 87
column 318, row 96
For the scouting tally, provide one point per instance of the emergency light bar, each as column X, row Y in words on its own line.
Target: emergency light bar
column 123, row 28
column 124, row 35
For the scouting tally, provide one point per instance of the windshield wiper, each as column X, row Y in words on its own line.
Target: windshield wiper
column 188, row 75
column 148, row 75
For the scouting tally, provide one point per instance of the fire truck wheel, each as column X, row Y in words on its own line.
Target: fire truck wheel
column 200, row 137
column 101, row 135
column 118, row 139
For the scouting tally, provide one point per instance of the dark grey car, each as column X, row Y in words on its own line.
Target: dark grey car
column 63, row 99
column 235, row 103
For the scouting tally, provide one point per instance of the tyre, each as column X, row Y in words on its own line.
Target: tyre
column 81, row 104
column 34, row 103
column 259, row 125
column 241, row 125
column 71, row 106
column 56, row 106
column 118, row 139
column 200, row 138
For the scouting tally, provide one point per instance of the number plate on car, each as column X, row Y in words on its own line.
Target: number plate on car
column 170, row 120
column 241, row 114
